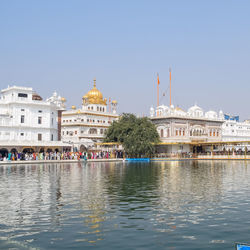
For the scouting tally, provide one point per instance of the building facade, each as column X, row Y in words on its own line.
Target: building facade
column 27, row 119
column 234, row 130
column 179, row 129
column 86, row 126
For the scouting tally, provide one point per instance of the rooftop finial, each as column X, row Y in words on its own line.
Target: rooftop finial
column 94, row 82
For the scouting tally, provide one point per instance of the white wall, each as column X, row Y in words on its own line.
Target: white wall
column 13, row 107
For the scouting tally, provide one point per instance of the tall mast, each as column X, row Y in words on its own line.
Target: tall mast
column 158, row 83
column 170, row 84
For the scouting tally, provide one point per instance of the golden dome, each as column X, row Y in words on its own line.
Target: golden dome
column 94, row 96
column 78, row 111
column 63, row 99
column 179, row 109
column 73, row 107
column 114, row 102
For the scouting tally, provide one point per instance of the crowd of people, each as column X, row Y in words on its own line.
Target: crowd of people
column 28, row 156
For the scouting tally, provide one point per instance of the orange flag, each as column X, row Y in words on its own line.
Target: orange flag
column 158, row 80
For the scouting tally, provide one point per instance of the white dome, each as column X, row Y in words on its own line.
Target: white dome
column 180, row 112
column 162, row 110
column 195, row 108
column 211, row 114
column 195, row 111
column 152, row 111
column 221, row 114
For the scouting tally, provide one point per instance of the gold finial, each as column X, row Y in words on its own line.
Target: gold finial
column 94, row 82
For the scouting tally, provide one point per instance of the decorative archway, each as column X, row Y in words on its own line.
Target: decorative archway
column 41, row 150
column 13, row 150
column 162, row 133
column 28, row 150
column 83, row 148
column 4, row 152
column 92, row 131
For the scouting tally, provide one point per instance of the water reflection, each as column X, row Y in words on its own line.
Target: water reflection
column 111, row 205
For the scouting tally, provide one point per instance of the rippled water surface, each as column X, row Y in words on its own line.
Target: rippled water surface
column 162, row 205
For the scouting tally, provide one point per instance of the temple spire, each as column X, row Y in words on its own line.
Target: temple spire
column 94, row 82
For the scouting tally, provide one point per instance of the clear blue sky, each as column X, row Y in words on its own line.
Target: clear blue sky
column 62, row 45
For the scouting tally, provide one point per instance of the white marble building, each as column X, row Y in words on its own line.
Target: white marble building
column 174, row 124
column 28, row 120
column 180, row 129
column 85, row 126
column 236, row 131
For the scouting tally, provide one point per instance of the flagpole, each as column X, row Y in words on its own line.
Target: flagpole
column 158, row 82
column 170, row 84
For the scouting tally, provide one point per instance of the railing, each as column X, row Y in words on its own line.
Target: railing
column 208, row 155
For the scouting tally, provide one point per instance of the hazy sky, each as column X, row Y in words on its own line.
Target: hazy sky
column 62, row 45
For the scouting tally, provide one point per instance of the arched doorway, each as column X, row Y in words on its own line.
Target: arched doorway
column 197, row 149
column 41, row 150
column 4, row 152
column 49, row 150
column 28, row 150
column 83, row 148
column 13, row 150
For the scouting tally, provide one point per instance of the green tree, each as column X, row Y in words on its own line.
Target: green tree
column 136, row 135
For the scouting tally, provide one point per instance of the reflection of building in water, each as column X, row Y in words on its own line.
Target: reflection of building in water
column 48, row 196
column 30, row 196
column 87, row 188
column 187, row 191
column 180, row 182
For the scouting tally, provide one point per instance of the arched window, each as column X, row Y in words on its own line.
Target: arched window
column 214, row 133
column 218, row 133
column 191, row 134
column 168, row 134
column 176, row 132
column 161, row 132
column 210, row 132
column 93, row 131
column 183, row 132
column 179, row 132
column 97, row 108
